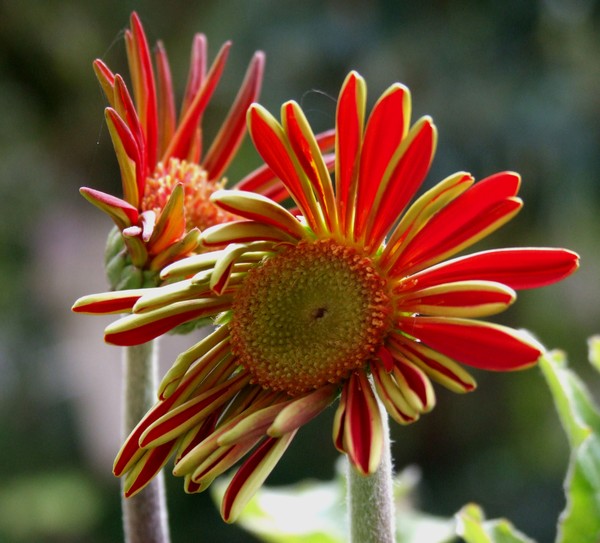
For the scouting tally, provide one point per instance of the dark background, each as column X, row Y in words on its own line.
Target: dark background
column 511, row 85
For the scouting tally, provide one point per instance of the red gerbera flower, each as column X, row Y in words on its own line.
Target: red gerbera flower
column 167, row 178
column 353, row 299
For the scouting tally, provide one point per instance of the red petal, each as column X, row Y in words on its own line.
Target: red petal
column 115, row 207
column 167, row 116
column 146, row 99
column 152, row 330
column 154, row 460
column 477, row 212
column 478, row 344
column 405, row 180
column 231, row 133
column 349, row 130
column 182, row 140
column 197, row 71
column 518, row 268
column 362, row 425
column 386, row 128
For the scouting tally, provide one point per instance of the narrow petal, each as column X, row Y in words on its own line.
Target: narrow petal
column 386, row 129
column 184, row 417
column 251, row 475
column 106, row 78
column 120, row 211
column 182, row 140
column 410, row 378
column 128, row 156
column 420, row 212
column 231, row 133
column 350, row 117
column 144, row 86
column 273, row 146
column 311, row 159
column 147, row 468
column 242, row 232
column 197, row 71
column 518, row 268
column 190, row 265
column 118, row 301
column 301, row 410
column 460, row 299
column 403, row 177
column 339, row 421
column 362, row 425
column 252, row 206
column 254, row 425
column 182, row 248
column 439, row 367
column 167, row 116
column 476, row 213
column 183, row 362
column 479, row 344
column 392, row 396
column 137, row 329
column 170, row 226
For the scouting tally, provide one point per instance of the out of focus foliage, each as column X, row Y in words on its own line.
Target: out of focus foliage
column 511, row 85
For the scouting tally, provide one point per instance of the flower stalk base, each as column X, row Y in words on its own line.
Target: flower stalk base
column 144, row 515
column 371, row 499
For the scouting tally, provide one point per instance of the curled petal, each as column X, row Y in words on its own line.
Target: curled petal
column 146, row 468
column 362, row 425
column 479, row 344
column 460, row 299
column 392, row 396
column 301, row 410
column 120, row 211
column 437, row 366
column 251, row 475
column 254, row 206
column 108, row 302
column 170, row 227
column 189, row 414
column 242, row 231
column 137, row 329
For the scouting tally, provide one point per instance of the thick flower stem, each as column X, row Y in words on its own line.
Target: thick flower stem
column 145, row 514
column 370, row 499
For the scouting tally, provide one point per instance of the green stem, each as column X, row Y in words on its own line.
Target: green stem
column 145, row 514
column 370, row 498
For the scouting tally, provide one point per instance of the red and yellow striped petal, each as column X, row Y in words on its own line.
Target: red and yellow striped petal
column 230, row 135
column 475, row 214
column 349, row 122
column 119, row 301
column 251, row 475
column 460, row 299
column 363, row 440
column 474, row 343
column 518, row 268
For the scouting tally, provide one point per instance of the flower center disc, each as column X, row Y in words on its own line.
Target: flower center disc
column 309, row 316
column 200, row 212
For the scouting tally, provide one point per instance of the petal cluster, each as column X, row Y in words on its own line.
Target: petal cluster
column 211, row 410
column 154, row 144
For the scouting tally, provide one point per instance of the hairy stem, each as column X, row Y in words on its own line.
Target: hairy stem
column 370, row 498
column 145, row 514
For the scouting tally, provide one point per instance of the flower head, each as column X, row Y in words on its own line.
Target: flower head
column 354, row 298
column 167, row 178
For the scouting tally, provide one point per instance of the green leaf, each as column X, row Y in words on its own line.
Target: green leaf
column 580, row 521
column 315, row 512
column 473, row 528
column 594, row 351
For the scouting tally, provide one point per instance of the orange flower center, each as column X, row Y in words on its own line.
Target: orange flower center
column 199, row 210
column 309, row 316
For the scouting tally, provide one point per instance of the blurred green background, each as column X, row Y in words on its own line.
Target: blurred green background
column 511, row 85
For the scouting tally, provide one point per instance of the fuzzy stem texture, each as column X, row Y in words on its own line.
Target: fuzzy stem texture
column 371, row 500
column 145, row 514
